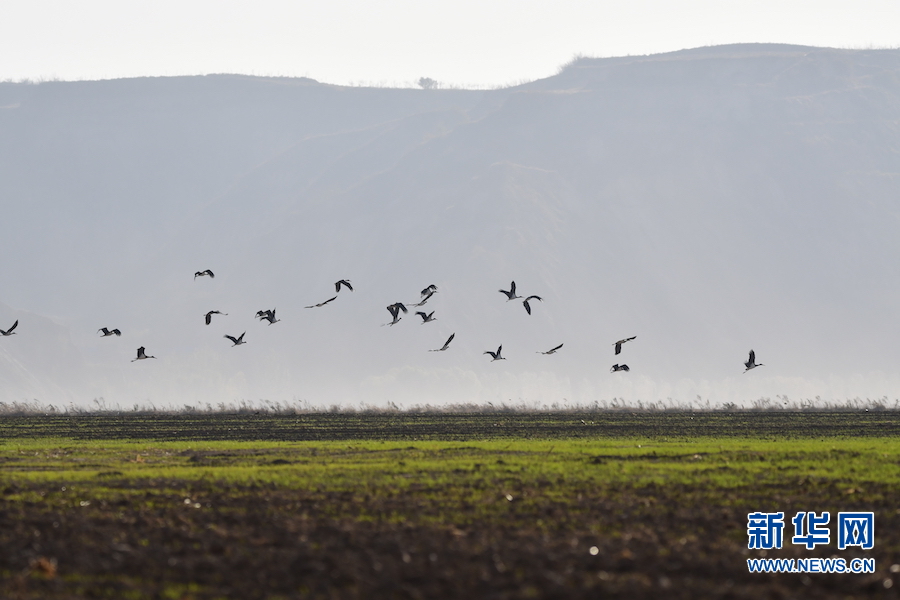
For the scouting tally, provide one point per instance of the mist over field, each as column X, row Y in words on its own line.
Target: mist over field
column 707, row 201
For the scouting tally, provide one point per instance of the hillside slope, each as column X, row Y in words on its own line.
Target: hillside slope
column 707, row 201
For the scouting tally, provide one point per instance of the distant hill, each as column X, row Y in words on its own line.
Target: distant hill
column 708, row 201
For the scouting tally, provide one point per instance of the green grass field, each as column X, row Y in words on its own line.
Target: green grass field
column 622, row 515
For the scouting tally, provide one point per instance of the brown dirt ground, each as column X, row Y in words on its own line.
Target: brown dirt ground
column 265, row 542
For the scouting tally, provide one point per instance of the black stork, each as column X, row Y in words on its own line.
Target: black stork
column 511, row 294
column 268, row 315
column 618, row 344
column 751, row 362
column 214, row 312
column 321, row 303
column 141, row 354
column 495, row 355
column 236, row 341
column 394, row 309
column 446, row 344
column 528, row 306
column 552, row 350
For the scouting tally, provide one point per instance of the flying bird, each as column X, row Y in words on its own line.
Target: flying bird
column 528, row 306
column 426, row 318
column 215, row 312
column 107, row 332
column 268, row 315
column 141, row 355
column 394, row 309
column 495, row 355
column 511, row 294
column 424, row 300
column 342, row 282
column 431, row 289
column 10, row 330
column 205, row 273
column 446, row 344
column 619, row 368
column 552, row 350
column 618, row 344
column 322, row 303
column 237, row 341
column 751, row 362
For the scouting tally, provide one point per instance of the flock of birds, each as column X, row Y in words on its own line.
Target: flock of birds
column 395, row 310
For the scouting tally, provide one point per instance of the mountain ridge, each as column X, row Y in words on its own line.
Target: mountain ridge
column 709, row 200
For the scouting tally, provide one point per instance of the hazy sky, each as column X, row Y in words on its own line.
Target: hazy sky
column 394, row 42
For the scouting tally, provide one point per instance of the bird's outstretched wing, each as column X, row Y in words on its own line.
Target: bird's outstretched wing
column 232, row 338
column 117, row 332
column 552, row 350
column 14, row 325
column 751, row 361
column 211, row 274
column 527, row 305
column 512, row 288
column 345, row 283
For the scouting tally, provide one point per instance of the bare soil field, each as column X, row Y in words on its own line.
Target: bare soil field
column 435, row 506
column 262, row 426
